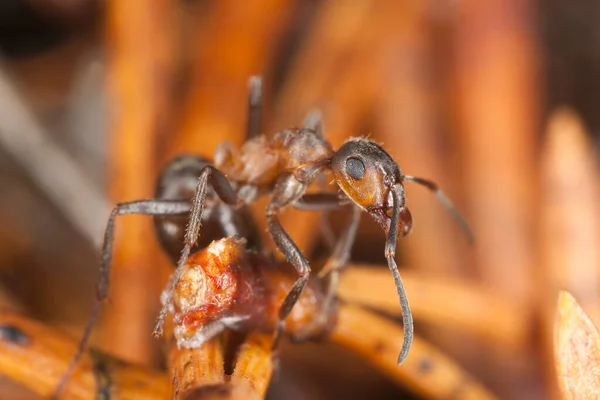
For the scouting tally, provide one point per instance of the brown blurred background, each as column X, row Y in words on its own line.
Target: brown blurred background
column 470, row 94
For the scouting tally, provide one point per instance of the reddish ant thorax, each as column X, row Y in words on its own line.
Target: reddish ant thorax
column 261, row 161
column 227, row 286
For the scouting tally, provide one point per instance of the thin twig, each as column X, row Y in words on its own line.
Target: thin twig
column 426, row 371
column 192, row 369
column 140, row 78
column 569, row 224
column 37, row 356
column 570, row 211
column 446, row 303
column 237, row 40
column 254, row 365
column 495, row 95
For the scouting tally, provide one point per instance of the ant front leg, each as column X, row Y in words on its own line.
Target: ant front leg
column 225, row 192
column 143, row 207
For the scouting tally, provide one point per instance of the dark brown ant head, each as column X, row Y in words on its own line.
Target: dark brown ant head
column 371, row 179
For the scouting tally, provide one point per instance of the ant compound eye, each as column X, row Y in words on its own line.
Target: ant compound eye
column 355, row 168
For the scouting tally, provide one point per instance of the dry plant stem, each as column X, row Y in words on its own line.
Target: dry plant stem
column 496, row 82
column 237, row 40
column 569, row 224
column 53, row 171
column 331, row 73
column 254, row 365
column 426, row 371
column 36, row 356
column 452, row 304
column 337, row 33
column 577, row 350
column 408, row 120
column 195, row 368
column 199, row 371
column 139, row 77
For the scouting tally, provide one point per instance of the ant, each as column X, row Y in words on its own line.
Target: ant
column 283, row 167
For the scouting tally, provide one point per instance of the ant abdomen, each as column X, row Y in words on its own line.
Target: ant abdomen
column 178, row 181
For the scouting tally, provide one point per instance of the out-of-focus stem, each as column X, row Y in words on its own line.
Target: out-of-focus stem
column 37, row 356
column 451, row 304
column 569, row 223
column 140, row 47
column 426, row 371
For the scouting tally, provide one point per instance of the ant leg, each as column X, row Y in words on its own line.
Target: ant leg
column 390, row 253
column 324, row 202
column 313, row 201
column 294, row 255
column 341, row 252
column 336, row 262
column 314, row 122
column 144, row 207
column 320, row 201
column 223, row 189
column 254, row 107
column 445, row 202
column 326, row 230
column 287, row 246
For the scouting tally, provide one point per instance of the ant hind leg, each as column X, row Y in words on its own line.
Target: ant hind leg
column 143, row 207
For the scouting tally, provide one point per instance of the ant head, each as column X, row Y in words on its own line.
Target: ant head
column 370, row 178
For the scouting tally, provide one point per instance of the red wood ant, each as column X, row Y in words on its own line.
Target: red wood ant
column 282, row 167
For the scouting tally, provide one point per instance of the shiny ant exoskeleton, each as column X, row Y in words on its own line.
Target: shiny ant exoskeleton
column 282, row 167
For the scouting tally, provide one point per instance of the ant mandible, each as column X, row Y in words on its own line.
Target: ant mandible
column 284, row 167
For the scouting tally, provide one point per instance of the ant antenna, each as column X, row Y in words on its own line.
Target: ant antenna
column 441, row 196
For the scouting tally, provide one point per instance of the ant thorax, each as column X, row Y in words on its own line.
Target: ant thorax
column 255, row 163
column 260, row 162
column 302, row 148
